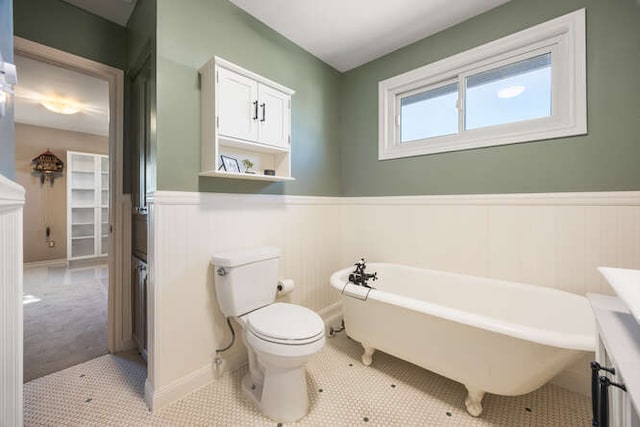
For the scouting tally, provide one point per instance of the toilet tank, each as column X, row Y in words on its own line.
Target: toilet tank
column 245, row 280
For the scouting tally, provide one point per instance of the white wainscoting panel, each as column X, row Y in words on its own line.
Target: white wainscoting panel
column 187, row 229
column 11, row 204
column 555, row 240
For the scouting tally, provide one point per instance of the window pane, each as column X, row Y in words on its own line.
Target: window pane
column 512, row 93
column 429, row 113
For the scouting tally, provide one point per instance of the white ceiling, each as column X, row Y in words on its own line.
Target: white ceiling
column 38, row 80
column 349, row 33
column 343, row 33
column 117, row 11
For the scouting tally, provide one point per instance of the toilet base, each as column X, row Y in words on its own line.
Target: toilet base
column 251, row 390
column 283, row 397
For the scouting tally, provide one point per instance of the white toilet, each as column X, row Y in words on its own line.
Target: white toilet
column 280, row 338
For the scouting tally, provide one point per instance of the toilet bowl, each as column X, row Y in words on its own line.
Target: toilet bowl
column 280, row 339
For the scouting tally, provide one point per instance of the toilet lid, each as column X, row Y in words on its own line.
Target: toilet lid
column 287, row 323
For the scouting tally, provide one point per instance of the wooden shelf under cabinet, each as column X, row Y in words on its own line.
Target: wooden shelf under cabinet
column 249, row 176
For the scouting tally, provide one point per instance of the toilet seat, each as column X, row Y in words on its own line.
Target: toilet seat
column 285, row 324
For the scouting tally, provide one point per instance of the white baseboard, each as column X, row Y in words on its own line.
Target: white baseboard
column 331, row 315
column 572, row 381
column 127, row 345
column 47, row 263
column 158, row 399
column 576, row 378
column 235, row 363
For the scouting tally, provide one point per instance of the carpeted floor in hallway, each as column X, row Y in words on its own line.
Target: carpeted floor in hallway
column 65, row 317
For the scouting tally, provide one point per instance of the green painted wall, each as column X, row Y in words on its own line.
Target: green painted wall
column 141, row 32
column 335, row 115
column 187, row 38
column 7, row 142
column 60, row 25
column 608, row 158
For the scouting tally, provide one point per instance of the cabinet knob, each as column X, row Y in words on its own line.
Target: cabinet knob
column 264, row 112
column 255, row 110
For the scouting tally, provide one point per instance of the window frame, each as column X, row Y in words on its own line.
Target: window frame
column 563, row 38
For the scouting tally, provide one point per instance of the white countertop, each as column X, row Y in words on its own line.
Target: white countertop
column 626, row 283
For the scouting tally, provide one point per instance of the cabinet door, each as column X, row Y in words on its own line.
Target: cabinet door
column 274, row 117
column 237, row 105
column 141, row 172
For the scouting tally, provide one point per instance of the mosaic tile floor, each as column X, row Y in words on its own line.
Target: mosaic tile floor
column 108, row 391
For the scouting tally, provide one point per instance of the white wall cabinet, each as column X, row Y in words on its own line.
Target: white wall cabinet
column 87, row 205
column 244, row 116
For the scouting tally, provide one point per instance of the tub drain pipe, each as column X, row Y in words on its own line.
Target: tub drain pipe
column 333, row 331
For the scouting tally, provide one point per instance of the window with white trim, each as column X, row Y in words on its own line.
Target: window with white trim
column 528, row 86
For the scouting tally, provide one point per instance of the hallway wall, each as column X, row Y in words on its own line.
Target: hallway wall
column 48, row 201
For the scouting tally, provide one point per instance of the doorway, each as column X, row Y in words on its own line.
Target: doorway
column 77, row 300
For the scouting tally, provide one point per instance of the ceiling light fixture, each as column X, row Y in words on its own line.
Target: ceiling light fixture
column 511, row 91
column 61, row 106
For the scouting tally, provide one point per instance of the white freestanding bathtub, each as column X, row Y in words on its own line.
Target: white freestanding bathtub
column 492, row 336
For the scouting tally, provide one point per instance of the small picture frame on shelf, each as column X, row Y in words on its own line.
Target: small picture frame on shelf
column 229, row 164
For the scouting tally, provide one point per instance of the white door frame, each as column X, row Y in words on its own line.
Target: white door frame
column 119, row 300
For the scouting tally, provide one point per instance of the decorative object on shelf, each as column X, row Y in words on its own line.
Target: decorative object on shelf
column 229, row 164
column 248, row 164
column 48, row 165
column 270, row 172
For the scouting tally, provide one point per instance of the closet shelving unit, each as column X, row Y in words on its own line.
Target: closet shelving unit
column 87, row 205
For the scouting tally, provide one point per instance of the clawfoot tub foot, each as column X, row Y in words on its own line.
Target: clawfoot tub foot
column 367, row 356
column 473, row 402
